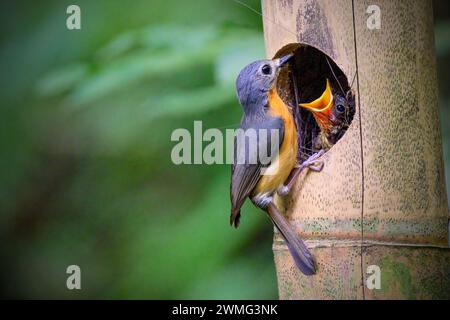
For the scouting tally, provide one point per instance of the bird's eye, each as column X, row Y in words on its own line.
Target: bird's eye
column 340, row 108
column 266, row 69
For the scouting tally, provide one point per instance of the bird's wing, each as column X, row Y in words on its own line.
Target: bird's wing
column 245, row 175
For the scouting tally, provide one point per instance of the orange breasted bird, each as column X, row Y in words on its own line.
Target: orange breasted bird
column 265, row 111
column 333, row 113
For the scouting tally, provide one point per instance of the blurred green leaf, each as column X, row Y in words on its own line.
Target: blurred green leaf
column 61, row 80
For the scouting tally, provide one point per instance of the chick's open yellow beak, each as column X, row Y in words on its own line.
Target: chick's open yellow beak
column 322, row 108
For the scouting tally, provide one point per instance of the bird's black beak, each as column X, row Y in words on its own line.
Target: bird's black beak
column 284, row 59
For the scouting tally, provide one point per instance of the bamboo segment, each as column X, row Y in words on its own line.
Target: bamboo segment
column 403, row 169
column 380, row 199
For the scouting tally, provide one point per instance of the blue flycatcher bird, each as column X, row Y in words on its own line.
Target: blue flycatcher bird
column 265, row 112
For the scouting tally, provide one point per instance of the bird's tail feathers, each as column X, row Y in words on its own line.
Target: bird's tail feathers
column 302, row 257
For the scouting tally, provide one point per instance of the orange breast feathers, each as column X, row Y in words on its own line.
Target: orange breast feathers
column 277, row 173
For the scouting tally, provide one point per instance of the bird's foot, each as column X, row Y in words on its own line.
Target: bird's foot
column 262, row 200
column 312, row 163
column 283, row 190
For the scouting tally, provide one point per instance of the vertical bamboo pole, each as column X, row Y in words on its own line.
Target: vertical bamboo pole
column 380, row 199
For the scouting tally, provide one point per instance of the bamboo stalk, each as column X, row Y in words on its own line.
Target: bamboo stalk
column 380, row 199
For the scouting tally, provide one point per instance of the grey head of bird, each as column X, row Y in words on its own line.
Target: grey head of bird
column 342, row 115
column 256, row 79
column 344, row 108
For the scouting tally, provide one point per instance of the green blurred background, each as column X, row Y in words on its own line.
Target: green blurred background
column 86, row 175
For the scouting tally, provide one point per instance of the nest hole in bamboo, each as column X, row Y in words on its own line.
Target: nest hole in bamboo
column 309, row 70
